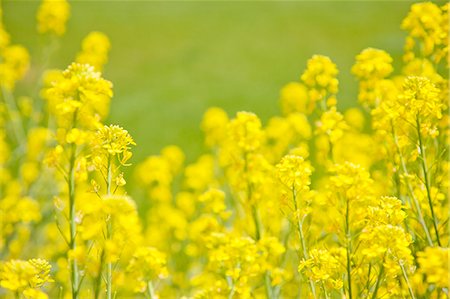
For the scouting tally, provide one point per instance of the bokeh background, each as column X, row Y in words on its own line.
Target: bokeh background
column 170, row 61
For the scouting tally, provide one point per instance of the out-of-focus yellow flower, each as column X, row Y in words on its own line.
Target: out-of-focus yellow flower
column 371, row 67
column 320, row 77
column 15, row 63
column 94, row 50
column 175, row 156
column 434, row 266
column 25, row 277
column 372, row 64
column 294, row 98
column 427, row 26
column 52, row 16
column 245, row 131
column 331, row 124
column 214, row 126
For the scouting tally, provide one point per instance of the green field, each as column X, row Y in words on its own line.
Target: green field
column 172, row 60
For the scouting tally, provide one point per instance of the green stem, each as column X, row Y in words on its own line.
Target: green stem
column 109, row 265
column 302, row 238
column 232, row 291
column 258, row 226
column 405, row 276
column 377, row 285
column 426, row 179
column 257, row 223
column 98, row 280
column 348, row 238
column 410, row 190
column 13, row 111
column 72, row 215
column 150, row 290
column 258, row 233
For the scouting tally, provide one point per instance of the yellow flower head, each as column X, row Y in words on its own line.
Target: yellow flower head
column 14, row 64
column 326, row 266
column 82, row 90
column 421, row 97
column 332, row 124
column 214, row 126
column 18, row 275
column 294, row 98
column 147, row 264
column 52, row 16
column 294, row 172
column 320, row 77
column 434, row 265
column 114, row 140
column 426, row 24
column 245, row 131
column 372, row 64
column 94, row 50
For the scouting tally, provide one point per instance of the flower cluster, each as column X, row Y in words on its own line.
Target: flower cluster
column 25, row 277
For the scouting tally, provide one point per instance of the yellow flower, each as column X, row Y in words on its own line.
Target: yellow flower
column 320, row 77
column 294, row 98
column 80, row 95
column 113, row 140
column 386, row 241
column 371, row 67
column 434, row 266
column 294, row 172
column 372, row 64
column 52, row 16
column 245, row 131
column 421, row 97
column 175, row 156
column 327, row 266
column 18, row 275
column 15, row 62
column 428, row 25
column 214, row 126
column 332, row 124
column 94, row 50
column 147, row 264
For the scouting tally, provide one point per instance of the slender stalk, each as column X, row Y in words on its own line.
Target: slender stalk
column 410, row 190
column 13, row 111
column 325, row 292
column 150, row 290
column 109, row 265
column 368, row 279
column 426, row 179
column 299, row 225
column 283, row 261
column 258, row 233
column 98, row 280
column 71, row 185
column 232, row 291
column 348, row 238
column 377, row 284
column 258, row 227
column 405, row 276
column 257, row 223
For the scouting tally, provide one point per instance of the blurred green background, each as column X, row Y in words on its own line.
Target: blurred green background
column 170, row 61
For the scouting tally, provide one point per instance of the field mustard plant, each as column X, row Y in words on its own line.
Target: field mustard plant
column 314, row 202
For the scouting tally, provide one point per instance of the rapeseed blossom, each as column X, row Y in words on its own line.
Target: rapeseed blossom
column 314, row 202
